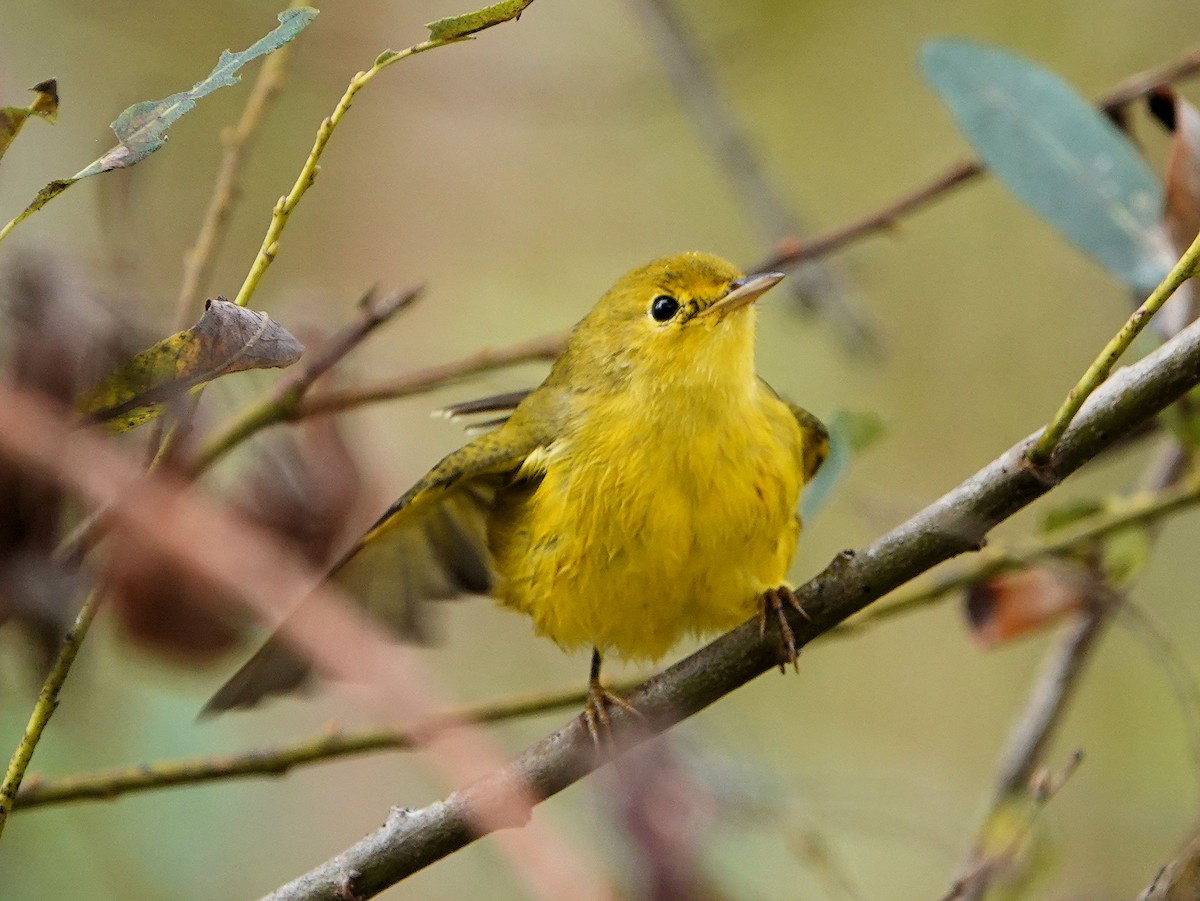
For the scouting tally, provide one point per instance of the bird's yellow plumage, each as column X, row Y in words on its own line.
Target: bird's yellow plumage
column 645, row 491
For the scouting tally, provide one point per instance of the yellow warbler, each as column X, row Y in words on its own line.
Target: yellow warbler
column 645, row 491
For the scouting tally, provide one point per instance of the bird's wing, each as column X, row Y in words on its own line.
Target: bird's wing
column 816, row 436
column 816, row 440
column 431, row 543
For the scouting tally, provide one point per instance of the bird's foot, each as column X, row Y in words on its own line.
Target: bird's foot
column 598, row 718
column 774, row 603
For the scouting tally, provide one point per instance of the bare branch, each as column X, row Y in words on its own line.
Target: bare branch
column 545, row 348
column 113, row 783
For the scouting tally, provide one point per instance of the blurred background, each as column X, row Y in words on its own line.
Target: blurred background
column 518, row 175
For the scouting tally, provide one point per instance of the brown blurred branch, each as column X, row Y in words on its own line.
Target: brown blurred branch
column 818, row 287
column 277, row 761
column 958, row 522
column 795, row 251
column 198, row 260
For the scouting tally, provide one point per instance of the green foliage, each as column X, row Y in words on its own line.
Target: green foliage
column 228, row 338
column 1056, row 153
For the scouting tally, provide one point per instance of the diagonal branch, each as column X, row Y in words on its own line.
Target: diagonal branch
column 958, row 522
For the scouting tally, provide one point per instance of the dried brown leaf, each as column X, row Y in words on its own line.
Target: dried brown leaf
column 228, row 338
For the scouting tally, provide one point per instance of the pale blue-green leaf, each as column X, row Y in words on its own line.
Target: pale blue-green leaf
column 1057, row 153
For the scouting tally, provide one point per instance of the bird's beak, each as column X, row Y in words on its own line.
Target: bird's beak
column 743, row 291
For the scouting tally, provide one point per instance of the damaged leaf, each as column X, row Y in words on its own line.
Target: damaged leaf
column 454, row 28
column 228, row 338
column 12, row 118
column 142, row 128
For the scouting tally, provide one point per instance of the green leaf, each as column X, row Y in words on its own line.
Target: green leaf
column 850, row 434
column 142, row 128
column 457, row 27
column 45, row 104
column 1072, row 513
column 1126, row 555
column 1057, row 154
column 228, row 338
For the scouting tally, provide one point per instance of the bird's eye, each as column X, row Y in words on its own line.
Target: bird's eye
column 663, row 308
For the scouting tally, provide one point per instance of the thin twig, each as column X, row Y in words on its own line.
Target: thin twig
column 1014, row 822
column 1184, row 269
column 283, row 208
column 281, row 402
column 47, row 703
column 546, row 348
column 818, row 287
column 198, row 260
column 109, row 784
column 793, row 252
column 1179, row 880
column 412, row 839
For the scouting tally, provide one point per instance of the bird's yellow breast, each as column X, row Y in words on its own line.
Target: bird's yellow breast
column 653, row 520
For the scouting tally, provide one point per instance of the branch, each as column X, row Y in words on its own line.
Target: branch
column 1184, row 269
column 818, row 288
column 47, row 703
column 794, row 251
column 1143, row 508
column 958, row 522
column 109, row 784
column 1062, row 669
column 1011, row 828
column 546, row 348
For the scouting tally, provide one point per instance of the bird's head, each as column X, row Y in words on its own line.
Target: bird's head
column 686, row 319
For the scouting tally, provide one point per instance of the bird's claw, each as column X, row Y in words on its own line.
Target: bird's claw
column 598, row 719
column 776, row 601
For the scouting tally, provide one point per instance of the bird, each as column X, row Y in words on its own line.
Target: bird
column 645, row 492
